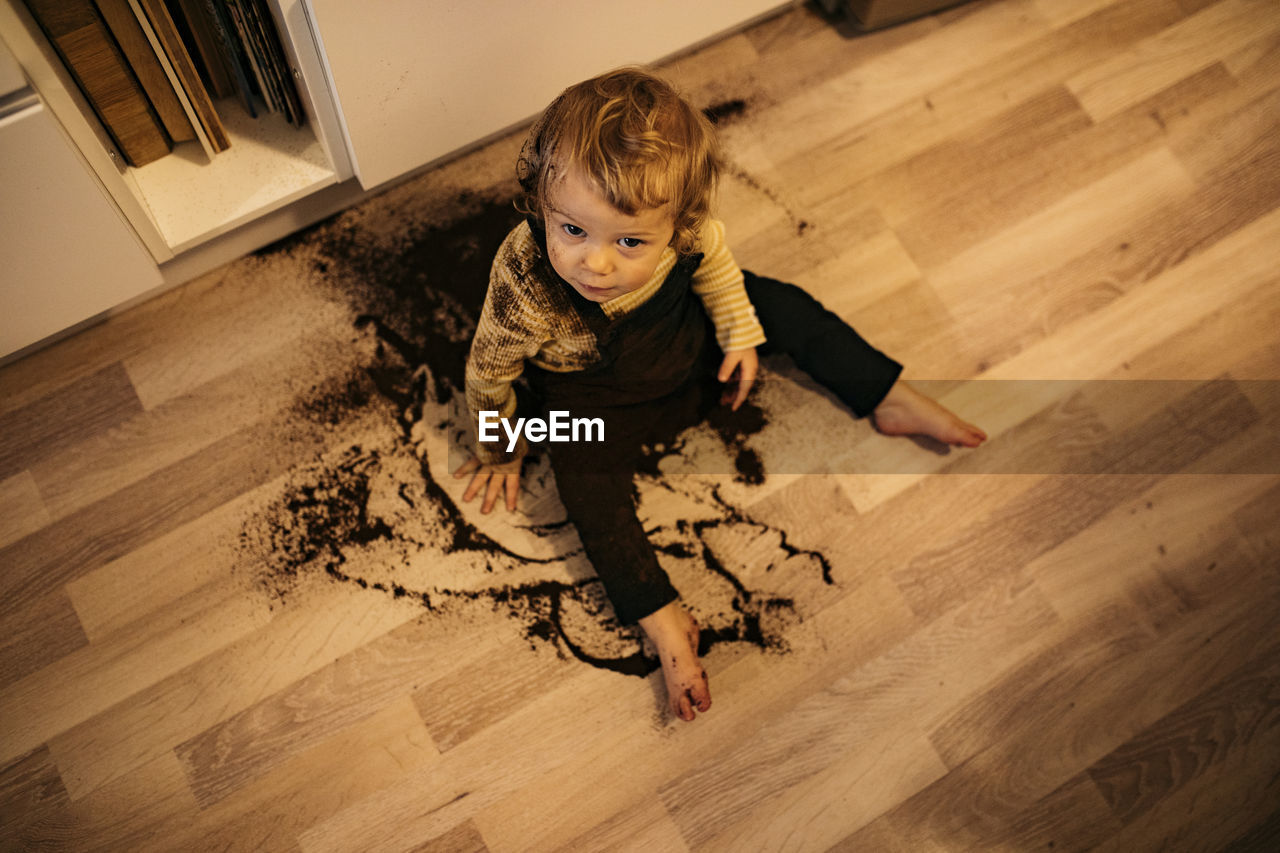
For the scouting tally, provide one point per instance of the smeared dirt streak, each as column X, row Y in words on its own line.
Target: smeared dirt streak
column 800, row 225
column 419, row 294
column 724, row 112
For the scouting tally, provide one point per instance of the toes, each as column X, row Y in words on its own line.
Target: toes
column 971, row 436
column 701, row 694
column 689, row 696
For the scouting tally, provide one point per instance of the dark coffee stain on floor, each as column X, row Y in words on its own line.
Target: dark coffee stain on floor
column 417, row 293
column 724, row 112
column 734, row 429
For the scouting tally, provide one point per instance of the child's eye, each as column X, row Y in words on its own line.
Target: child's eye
column 573, row 230
column 631, row 242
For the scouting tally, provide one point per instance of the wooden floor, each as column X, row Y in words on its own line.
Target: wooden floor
column 1080, row 652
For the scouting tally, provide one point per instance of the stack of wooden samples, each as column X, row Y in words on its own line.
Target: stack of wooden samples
column 152, row 69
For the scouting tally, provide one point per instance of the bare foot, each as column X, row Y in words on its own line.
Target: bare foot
column 905, row 411
column 675, row 635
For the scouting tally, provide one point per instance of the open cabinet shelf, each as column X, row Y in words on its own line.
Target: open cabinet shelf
column 269, row 165
column 186, row 199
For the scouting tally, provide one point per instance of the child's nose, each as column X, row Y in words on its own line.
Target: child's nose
column 597, row 260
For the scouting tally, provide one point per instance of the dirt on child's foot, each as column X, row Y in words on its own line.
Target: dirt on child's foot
column 905, row 411
column 674, row 634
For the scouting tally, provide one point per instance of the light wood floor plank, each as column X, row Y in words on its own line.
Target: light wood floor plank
column 242, row 317
column 456, row 705
column 152, row 579
column 78, row 686
column 1227, row 733
column 37, row 636
column 112, row 527
column 1247, row 62
column 1084, row 289
column 31, row 796
column 133, row 811
column 845, row 795
column 1057, row 234
column 282, row 648
column 72, row 414
column 534, row 817
column 309, row 785
column 866, row 272
column 935, row 668
column 1233, row 130
column 1072, row 817
column 1014, row 74
column 1171, row 524
column 172, row 431
column 1233, row 264
column 947, row 175
column 977, row 803
column 1184, row 661
column 1204, row 38
column 475, row 774
column 22, row 509
column 1254, row 522
column 887, row 81
column 645, row 827
column 1063, row 12
column 225, row 757
column 53, row 371
column 464, row 838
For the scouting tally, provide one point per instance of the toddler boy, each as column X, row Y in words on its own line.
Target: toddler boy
column 618, row 299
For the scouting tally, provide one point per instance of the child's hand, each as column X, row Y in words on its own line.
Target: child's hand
column 744, row 362
column 498, row 478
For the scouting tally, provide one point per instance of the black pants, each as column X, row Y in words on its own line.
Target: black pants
column 596, row 479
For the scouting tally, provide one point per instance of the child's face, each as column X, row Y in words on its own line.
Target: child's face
column 602, row 252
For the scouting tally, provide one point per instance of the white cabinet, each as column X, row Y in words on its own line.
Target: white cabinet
column 185, row 199
column 71, row 206
column 65, row 252
column 419, row 79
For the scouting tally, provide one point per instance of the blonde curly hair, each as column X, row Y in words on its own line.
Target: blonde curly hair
column 639, row 142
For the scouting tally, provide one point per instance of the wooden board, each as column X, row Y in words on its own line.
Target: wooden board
column 83, row 40
column 154, row 19
column 142, row 59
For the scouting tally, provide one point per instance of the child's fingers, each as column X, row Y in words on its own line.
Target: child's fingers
column 466, row 468
column 491, row 494
column 728, row 367
column 476, row 484
column 744, row 386
column 513, row 491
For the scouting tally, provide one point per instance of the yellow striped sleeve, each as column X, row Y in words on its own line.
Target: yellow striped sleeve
column 718, row 283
